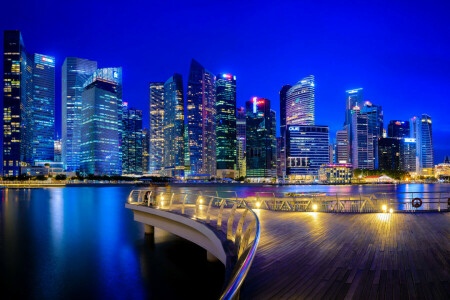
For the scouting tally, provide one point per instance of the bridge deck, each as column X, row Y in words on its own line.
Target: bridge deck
column 362, row 256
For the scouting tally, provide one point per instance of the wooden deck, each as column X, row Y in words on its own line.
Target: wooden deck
column 351, row 256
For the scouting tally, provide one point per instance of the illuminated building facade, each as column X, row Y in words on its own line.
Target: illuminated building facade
column 173, row 130
column 307, row 149
column 42, row 114
column 75, row 71
column 261, row 150
column 201, row 120
column 342, row 147
column 145, row 150
column 362, row 141
column 131, row 140
column 375, row 126
column 156, row 128
column 408, row 160
column 354, row 98
column 336, row 174
column 101, row 123
column 398, row 129
column 241, row 124
column 226, row 125
column 300, row 103
column 389, row 154
column 58, row 152
column 421, row 130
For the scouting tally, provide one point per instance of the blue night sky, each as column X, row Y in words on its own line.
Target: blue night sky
column 398, row 51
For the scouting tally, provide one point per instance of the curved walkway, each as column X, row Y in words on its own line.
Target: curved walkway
column 350, row 256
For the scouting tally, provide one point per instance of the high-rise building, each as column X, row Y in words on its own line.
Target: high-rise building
column 398, row 129
column 156, row 128
column 283, row 103
column 28, row 105
column 226, row 125
column 43, row 109
column 300, row 103
column 375, row 126
column 260, row 139
column 201, row 114
column 389, row 154
column 421, row 130
column 75, row 71
column 187, row 159
column 354, row 98
column 58, row 152
column 241, row 124
column 173, row 127
column 280, row 166
column 342, row 147
column 331, row 152
column 408, row 155
column 307, row 149
column 145, row 150
column 101, row 119
column 131, row 140
column 362, row 141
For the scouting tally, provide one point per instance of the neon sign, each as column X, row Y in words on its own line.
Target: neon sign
column 46, row 59
column 255, row 100
column 115, row 74
column 410, row 140
column 226, row 76
column 294, row 128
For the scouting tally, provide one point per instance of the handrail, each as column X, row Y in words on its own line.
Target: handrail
column 245, row 253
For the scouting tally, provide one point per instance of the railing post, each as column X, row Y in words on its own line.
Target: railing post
column 182, row 205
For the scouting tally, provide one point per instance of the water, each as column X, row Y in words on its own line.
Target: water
column 81, row 243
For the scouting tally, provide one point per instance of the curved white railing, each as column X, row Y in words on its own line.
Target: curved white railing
column 242, row 225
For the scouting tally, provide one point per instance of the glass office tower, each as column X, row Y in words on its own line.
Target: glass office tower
column 260, row 140
column 75, row 71
column 241, row 124
column 101, row 119
column 131, row 140
column 201, row 120
column 342, row 147
column 389, row 154
column 145, row 150
column 306, row 151
column 408, row 155
column 354, row 98
column 156, row 128
column 17, row 95
column 398, row 129
column 362, row 141
column 174, row 127
column 421, row 130
column 300, row 103
column 43, row 109
column 375, row 126
column 226, row 125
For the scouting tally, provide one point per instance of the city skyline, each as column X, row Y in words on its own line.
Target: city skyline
column 388, row 67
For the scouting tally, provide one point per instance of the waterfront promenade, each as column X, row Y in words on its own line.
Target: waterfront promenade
column 350, row 256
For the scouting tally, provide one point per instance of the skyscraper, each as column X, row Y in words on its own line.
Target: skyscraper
column 156, row 128
column 260, row 139
column 342, row 147
column 398, row 129
column 28, row 105
column 354, row 98
column 241, row 124
column 58, row 146
column 300, row 103
column 362, row 141
column 43, row 109
column 173, row 127
column 375, row 126
column 131, row 140
column 389, row 154
column 283, row 103
column 145, row 150
column 307, row 149
column 201, row 114
column 421, row 130
column 226, row 125
column 101, row 119
column 75, row 71
column 408, row 154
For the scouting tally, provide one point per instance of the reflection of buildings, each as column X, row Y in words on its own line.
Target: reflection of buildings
column 307, row 149
column 336, row 173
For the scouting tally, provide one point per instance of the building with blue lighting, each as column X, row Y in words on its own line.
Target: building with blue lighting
column 156, row 128
column 132, row 148
column 101, row 123
column 201, row 120
column 421, row 130
column 75, row 71
column 362, row 149
column 375, row 126
column 226, row 125
column 300, row 103
column 241, row 137
column 261, row 156
column 307, row 149
column 389, row 154
column 398, row 129
column 408, row 158
column 173, row 127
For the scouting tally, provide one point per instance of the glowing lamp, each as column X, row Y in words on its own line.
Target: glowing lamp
column 258, row 204
column 384, row 207
column 391, row 210
column 315, row 206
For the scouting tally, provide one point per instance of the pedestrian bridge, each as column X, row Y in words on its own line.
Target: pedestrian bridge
column 309, row 254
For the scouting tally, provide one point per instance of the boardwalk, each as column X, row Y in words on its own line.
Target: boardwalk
column 345, row 256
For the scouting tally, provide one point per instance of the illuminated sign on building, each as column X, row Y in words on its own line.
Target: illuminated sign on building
column 46, row 59
column 115, row 74
column 410, row 140
column 226, row 76
column 255, row 100
column 294, row 128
